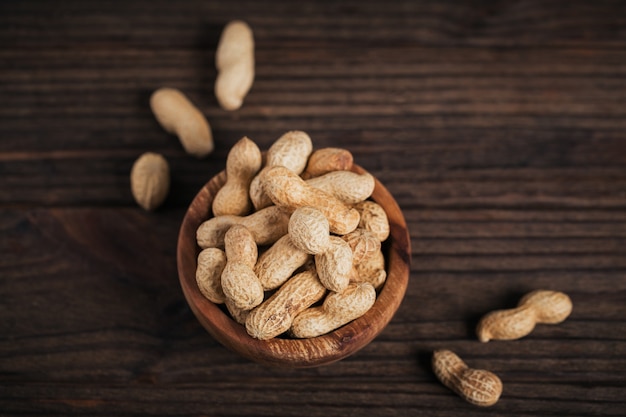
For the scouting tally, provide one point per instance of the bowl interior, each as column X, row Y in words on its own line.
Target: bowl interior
column 295, row 352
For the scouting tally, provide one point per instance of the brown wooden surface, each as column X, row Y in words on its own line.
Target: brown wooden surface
column 498, row 126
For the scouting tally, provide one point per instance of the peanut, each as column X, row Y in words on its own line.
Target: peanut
column 363, row 243
column 266, row 225
column 326, row 160
column 291, row 150
column 150, row 180
column 242, row 164
column 239, row 282
column 539, row 306
column 334, row 264
column 309, row 232
column 337, row 310
column 373, row 218
column 371, row 269
column 477, row 386
column 279, row 262
column 347, row 186
column 178, row 116
column 238, row 314
column 276, row 314
column 287, row 189
column 234, row 60
column 211, row 263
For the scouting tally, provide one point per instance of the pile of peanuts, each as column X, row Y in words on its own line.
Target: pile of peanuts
column 318, row 234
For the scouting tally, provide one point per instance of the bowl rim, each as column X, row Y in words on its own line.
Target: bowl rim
column 296, row 353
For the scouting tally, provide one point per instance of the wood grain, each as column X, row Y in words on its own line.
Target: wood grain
column 498, row 127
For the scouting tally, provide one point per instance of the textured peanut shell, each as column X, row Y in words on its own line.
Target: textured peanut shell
column 211, row 263
column 240, row 246
column 178, row 116
column 242, row 164
column 238, row 314
column 373, row 218
column 337, row 310
column 371, row 269
column 150, row 180
column 279, row 262
column 347, row 186
column 477, row 386
column 291, row 151
column 241, row 285
column 538, row 306
column 276, row 314
column 287, row 189
column 234, row 60
column 266, row 225
column 309, row 230
column 239, row 282
column 326, row 160
column 335, row 264
column 364, row 244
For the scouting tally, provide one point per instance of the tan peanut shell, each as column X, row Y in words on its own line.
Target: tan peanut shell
column 325, row 160
column 287, row 189
column 347, row 186
column 178, row 116
column 373, row 218
column 234, row 60
column 276, row 314
column 266, row 225
column 238, row 314
column 477, row 386
column 364, row 244
column 279, row 262
column 370, row 269
column 242, row 164
column 291, row 151
column 337, row 310
column 211, row 263
column 309, row 230
column 539, row 306
column 239, row 281
column 150, row 180
column 335, row 264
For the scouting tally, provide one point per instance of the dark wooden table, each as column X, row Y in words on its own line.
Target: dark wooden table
column 499, row 126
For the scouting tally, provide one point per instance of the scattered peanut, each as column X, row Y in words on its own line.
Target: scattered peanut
column 178, row 116
column 326, row 160
column 291, row 151
column 477, row 386
column 540, row 306
column 239, row 282
column 211, row 263
column 242, row 164
column 276, row 314
column 150, row 180
column 266, row 225
column 347, row 186
column 287, row 189
column 239, row 314
column 373, row 218
column 337, row 310
column 234, row 60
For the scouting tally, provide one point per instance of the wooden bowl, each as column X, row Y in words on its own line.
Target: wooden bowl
column 295, row 353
